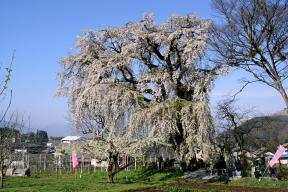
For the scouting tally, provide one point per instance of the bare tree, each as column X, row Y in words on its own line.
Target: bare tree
column 230, row 118
column 148, row 83
column 234, row 136
column 7, row 136
column 3, row 90
column 254, row 37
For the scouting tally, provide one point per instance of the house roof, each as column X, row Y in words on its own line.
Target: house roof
column 269, row 154
column 71, row 138
column 284, row 155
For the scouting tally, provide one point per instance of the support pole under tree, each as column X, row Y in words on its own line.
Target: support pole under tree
column 70, row 163
column 28, row 160
column 56, row 170
column 60, row 164
column 82, row 164
column 1, row 179
column 23, row 159
column 89, row 167
column 75, row 172
column 44, row 163
column 56, row 163
column 126, row 162
column 135, row 163
column 40, row 163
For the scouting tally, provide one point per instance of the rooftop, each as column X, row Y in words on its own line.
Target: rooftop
column 71, row 138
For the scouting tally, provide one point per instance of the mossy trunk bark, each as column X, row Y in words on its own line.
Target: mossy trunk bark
column 113, row 167
column 110, row 178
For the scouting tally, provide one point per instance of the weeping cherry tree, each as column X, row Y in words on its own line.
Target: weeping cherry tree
column 142, row 84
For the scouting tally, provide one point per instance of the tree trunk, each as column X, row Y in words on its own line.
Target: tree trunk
column 111, row 169
column 110, row 177
column 284, row 95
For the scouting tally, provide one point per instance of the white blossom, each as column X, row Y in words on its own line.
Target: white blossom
column 147, row 83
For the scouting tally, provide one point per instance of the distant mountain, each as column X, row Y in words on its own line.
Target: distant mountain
column 266, row 131
column 280, row 113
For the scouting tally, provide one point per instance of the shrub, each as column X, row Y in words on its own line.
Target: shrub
column 282, row 172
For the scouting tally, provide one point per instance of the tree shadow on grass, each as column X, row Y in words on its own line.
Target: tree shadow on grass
column 147, row 176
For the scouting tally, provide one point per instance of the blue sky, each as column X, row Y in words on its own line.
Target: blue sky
column 44, row 31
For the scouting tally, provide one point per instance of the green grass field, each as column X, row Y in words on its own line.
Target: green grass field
column 124, row 181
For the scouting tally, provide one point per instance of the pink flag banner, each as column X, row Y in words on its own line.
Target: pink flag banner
column 281, row 150
column 74, row 160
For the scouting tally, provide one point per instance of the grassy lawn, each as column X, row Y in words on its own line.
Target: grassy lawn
column 124, row 181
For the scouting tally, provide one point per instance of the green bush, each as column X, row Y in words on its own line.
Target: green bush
column 246, row 165
column 282, row 172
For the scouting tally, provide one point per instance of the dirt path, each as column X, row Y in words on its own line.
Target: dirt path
column 205, row 186
column 146, row 190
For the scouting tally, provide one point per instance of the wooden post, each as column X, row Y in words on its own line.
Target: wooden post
column 28, row 160
column 40, row 163
column 44, row 163
column 135, row 163
column 56, row 163
column 1, row 180
column 75, row 171
column 89, row 167
column 126, row 161
column 82, row 164
column 70, row 162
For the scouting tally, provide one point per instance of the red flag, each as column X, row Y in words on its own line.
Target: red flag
column 277, row 155
column 74, row 160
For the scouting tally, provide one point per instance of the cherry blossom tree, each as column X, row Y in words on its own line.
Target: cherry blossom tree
column 142, row 84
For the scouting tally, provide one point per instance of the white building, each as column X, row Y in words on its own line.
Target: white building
column 70, row 139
